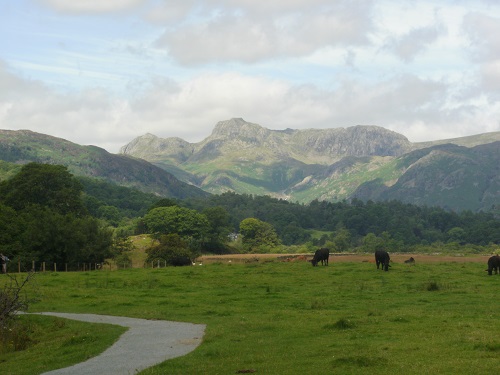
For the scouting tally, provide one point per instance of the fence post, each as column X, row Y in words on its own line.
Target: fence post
column 33, row 265
column 18, row 266
column 55, row 267
column 66, row 266
column 43, row 266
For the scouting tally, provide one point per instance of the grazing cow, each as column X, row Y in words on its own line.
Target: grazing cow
column 382, row 258
column 410, row 261
column 321, row 255
column 493, row 264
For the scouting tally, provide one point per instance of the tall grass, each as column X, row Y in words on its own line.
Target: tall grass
column 291, row 318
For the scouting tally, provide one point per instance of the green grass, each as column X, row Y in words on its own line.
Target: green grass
column 291, row 318
column 56, row 343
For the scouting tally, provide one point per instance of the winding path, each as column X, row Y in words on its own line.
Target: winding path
column 145, row 344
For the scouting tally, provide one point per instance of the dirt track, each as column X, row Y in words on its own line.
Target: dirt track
column 337, row 258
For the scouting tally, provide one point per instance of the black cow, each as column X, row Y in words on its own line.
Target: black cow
column 493, row 264
column 382, row 258
column 321, row 255
column 410, row 261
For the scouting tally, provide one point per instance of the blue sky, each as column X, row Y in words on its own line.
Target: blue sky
column 103, row 72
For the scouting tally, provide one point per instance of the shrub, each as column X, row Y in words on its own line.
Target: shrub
column 13, row 335
column 172, row 249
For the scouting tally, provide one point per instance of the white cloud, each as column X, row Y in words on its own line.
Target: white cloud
column 91, row 6
column 239, row 35
column 484, row 34
column 414, row 107
column 177, row 68
column 408, row 46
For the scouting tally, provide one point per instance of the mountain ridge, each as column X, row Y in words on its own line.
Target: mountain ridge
column 364, row 162
column 307, row 164
column 23, row 146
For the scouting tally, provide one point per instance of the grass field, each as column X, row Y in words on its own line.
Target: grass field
column 440, row 316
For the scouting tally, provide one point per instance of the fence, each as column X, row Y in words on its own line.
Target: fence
column 37, row 266
column 23, row 266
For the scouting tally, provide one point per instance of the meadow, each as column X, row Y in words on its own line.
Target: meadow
column 273, row 317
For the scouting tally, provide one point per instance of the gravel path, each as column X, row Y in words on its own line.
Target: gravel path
column 145, row 344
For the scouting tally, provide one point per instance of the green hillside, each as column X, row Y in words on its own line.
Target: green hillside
column 25, row 146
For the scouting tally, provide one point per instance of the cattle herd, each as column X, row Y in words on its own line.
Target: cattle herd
column 382, row 259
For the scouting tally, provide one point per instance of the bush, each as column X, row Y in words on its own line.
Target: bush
column 13, row 335
column 172, row 249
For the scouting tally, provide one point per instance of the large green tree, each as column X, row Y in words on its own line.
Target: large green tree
column 189, row 224
column 47, row 185
column 48, row 222
column 218, row 219
column 258, row 235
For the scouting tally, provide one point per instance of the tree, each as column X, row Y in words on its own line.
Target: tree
column 258, row 234
column 172, row 249
column 164, row 202
column 456, row 234
column 47, row 220
column 120, row 251
column 372, row 243
column 292, row 234
column 10, row 230
column 189, row 224
column 53, row 237
column 218, row 219
column 342, row 240
column 111, row 214
column 45, row 185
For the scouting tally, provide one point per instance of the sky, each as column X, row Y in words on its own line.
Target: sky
column 103, row 72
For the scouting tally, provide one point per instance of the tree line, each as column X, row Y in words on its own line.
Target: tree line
column 48, row 214
column 406, row 224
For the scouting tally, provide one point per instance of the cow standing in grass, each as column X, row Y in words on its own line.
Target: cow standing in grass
column 382, row 258
column 493, row 264
column 322, row 256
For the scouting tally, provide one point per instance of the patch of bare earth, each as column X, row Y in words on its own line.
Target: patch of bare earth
column 397, row 258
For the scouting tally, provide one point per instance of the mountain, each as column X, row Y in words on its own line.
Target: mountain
column 247, row 158
column 366, row 162
column 25, row 146
column 448, row 175
column 235, row 137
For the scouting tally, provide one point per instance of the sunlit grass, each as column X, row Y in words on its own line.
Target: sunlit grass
column 291, row 318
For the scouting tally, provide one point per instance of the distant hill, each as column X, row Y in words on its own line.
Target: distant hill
column 366, row 162
column 25, row 146
column 450, row 176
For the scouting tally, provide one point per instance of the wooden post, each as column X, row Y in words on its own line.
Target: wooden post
column 66, row 266
column 55, row 267
column 18, row 266
column 43, row 266
column 33, row 265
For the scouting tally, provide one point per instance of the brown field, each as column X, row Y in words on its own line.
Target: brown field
column 337, row 258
